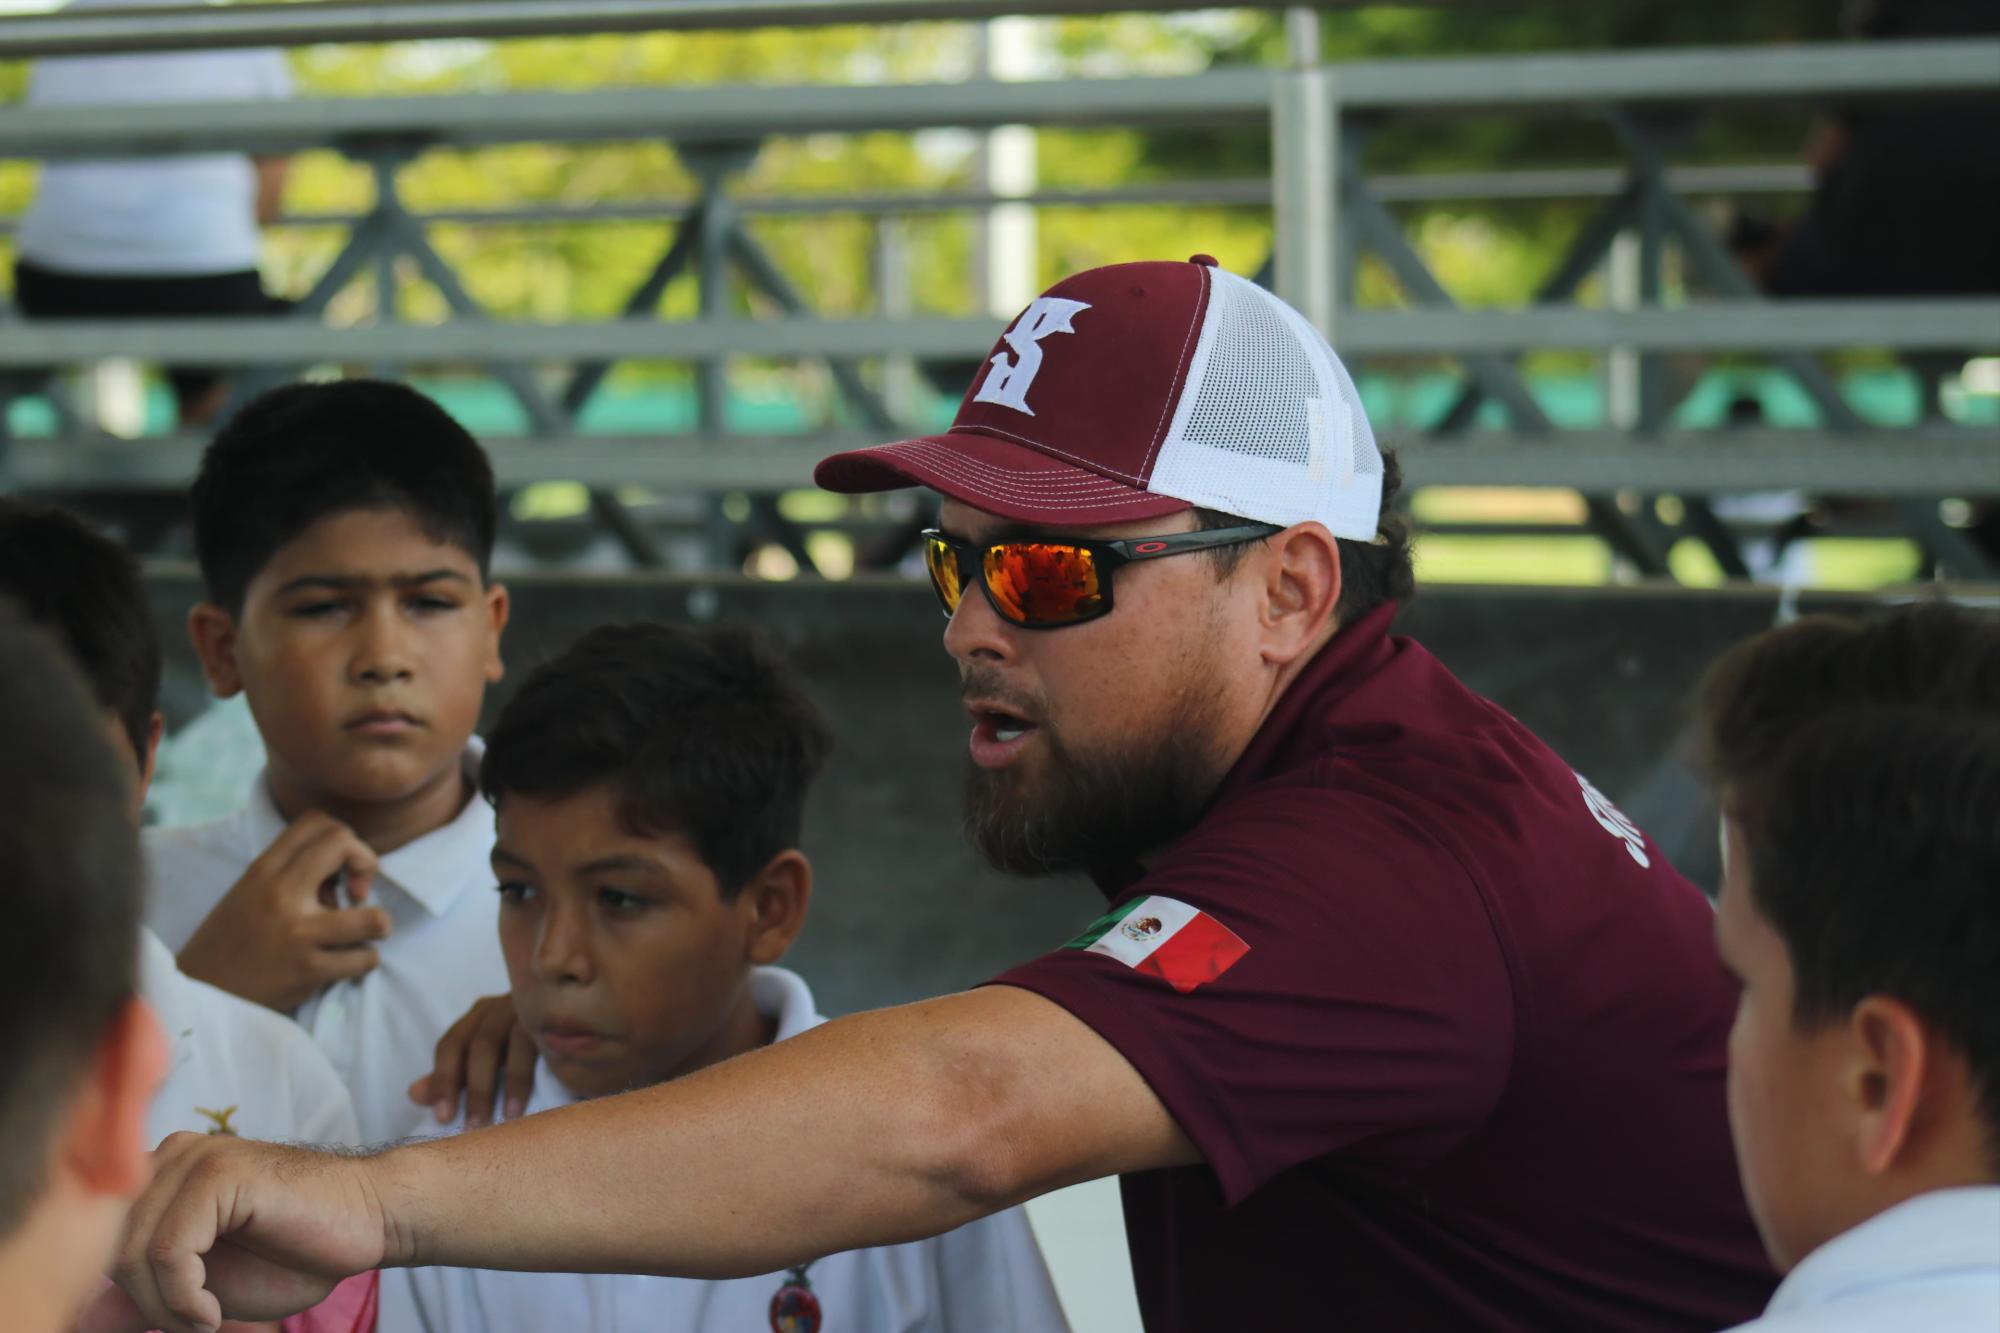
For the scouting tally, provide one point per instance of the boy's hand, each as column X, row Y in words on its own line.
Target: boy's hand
column 280, row 935
column 470, row 1055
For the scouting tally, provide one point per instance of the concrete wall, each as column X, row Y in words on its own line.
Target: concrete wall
column 905, row 908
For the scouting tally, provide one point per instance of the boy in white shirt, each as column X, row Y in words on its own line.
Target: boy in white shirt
column 1858, row 769
column 344, row 532
column 81, row 1052
column 650, row 785
column 231, row 1067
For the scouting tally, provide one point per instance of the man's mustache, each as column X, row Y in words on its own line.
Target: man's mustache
column 984, row 683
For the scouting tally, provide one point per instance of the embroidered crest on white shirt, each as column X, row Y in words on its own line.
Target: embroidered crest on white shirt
column 1010, row 379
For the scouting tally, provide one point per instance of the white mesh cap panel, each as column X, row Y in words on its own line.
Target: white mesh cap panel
column 1269, row 425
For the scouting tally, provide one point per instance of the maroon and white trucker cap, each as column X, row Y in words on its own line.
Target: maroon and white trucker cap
column 1137, row 390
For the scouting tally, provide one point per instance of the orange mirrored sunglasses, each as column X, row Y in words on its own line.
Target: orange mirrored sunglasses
column 1047, row 583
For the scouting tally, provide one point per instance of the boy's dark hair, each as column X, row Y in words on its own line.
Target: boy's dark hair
column 306, row 451
column 69, row 953
column 701, row 732
column 1371, row 573
column 1860, row 761
column 85, row 587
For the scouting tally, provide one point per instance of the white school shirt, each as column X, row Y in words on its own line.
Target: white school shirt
column 985, row 1277
column 443, row 951
column 234, row 1067
column 1929, row 1265
column 189, row 213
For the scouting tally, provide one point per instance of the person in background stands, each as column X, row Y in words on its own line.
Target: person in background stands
column 169, row 237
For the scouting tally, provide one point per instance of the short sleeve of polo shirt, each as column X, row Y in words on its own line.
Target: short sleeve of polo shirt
column 1369, row 1014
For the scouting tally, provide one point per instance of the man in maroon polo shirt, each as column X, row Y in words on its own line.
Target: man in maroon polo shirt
column 1457, row 1058
column 1395, row 1021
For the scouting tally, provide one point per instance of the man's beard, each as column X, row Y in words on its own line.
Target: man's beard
column 1098, row 812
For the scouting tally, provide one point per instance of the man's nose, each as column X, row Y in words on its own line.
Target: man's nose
column 976, row 633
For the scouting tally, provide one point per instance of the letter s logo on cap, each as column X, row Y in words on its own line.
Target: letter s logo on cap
column 1008, row 382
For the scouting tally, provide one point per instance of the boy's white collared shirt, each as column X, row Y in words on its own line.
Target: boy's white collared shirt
column 1931, row 1263
column 234, row 1067
column 986, row 1277
column 443, row 952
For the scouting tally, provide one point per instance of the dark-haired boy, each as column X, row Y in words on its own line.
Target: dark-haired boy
column 650, row 785
column 233, row 1067
column 236, row 1068
column 81, row 1053
column 1858, row 767
column 344, row 532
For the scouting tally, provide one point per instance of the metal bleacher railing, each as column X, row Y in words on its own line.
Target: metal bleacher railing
column 1327, row 212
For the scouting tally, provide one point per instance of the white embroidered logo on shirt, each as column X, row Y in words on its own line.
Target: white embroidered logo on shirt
column 1613, row 821
column 1008, row 382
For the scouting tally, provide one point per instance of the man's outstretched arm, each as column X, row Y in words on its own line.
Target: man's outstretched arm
column 876, row 1129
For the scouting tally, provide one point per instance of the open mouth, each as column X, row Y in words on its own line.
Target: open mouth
column 998, row 735
column 1007, row 727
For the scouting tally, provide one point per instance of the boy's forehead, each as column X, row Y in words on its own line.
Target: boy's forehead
column 374, row 545
column 580, row 828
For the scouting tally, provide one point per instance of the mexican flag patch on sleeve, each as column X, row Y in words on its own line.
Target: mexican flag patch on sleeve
column 1164, row 937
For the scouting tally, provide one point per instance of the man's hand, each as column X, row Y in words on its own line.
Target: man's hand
column 869, row 1130
column 280, row 935
column 115, row 1312
column 242, row 1229
column 471, row 1056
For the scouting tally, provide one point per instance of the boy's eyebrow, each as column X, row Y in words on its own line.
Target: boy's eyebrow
column 623, row 861
column 349, row 582
column 501, row 854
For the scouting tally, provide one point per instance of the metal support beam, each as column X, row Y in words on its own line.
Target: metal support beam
column 1377, row 229
column 1582, row 257
column 1912, row 465
column 407, row 238
column 1632, row 539
column 1306, row 172
column 720, row 114
column 1236, row 96
column 1245, row 192
column 1952, row 324
column 644, row 300
column 1962, row 325
column 1716, row 268
column 711, row 259
column 198, row 27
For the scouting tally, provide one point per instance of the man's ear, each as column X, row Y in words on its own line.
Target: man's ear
column 105, row 1150
column 1891, row 1072
column 212, row 631
column 498, row 608
column 775, row 901
column 1301, row 588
